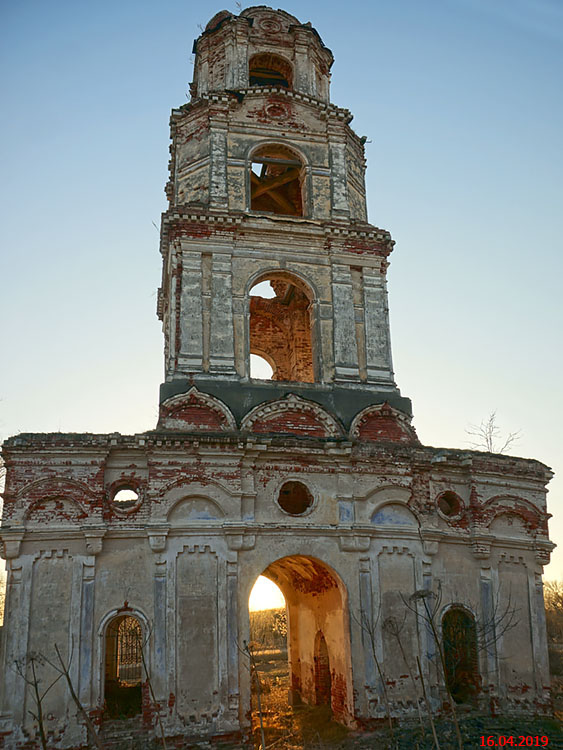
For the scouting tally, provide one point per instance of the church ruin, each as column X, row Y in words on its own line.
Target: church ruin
column 136, row 554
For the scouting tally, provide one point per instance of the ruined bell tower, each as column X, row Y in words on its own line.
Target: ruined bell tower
column 267, row 183
column 136, row 554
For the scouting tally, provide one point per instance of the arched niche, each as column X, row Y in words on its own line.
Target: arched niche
column 54, row 511
column 323, row 677
column 291, row 415
column 195, row 411
column 390, row 494
column 221, row 502
column 394, row 514
column 194, row 510
column 507, row 524
column 381, row 422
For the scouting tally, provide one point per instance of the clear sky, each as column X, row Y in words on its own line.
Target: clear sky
column 461, row 102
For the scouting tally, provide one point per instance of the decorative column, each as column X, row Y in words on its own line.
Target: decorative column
column 221, row 345
column 345, row 345
column 489, row 661
column 232, row 637
column 170, row 320
column 190, row 357
column 218, row 127
column 157, row 541
column 366, row 611
column 86, row 641
column 378, row 344
column 302, row 67
column 539, row 633
column 339, row 185
column 16, row 625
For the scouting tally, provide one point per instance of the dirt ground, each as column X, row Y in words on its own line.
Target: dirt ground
column 312, row 727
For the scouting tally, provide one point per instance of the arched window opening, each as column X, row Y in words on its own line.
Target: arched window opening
column 280, row 328
column 266, row 69
column 276, row 177
column 460, row 654
column 123, row 667
column 323, row 681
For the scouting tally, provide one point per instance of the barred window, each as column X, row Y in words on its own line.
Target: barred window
column 129, row 659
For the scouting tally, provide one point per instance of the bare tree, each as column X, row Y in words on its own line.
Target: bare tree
column 431, row 605
column 254, row 675
column 394, row 628
column 488, row 436
column 143, row 645
column 63, row 670
column 29, row 670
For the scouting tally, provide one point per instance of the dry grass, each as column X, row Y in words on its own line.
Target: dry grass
column 290, row 727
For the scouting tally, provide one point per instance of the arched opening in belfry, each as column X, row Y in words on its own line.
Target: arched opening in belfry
column 123, row 674
column 301, row 647
column 459, row 637
column 281, row 327
column 267, row 69
column 276, row 180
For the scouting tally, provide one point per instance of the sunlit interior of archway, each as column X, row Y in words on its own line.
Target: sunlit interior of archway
column 300, row 643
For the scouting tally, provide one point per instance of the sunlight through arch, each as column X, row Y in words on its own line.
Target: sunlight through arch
column 265, row 595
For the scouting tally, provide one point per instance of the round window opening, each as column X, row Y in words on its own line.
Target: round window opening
column 295, row 498
column 449, row 504
column 125, row 498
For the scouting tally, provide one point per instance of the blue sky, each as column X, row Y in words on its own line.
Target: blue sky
column 461, row 100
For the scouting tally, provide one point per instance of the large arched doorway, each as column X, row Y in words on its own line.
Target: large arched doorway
column 318, row 639
column 123, row 674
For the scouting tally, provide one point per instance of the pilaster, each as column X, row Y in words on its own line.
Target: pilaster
column 339, row 186
column 378, row 344
column 218, row 178
column 221, row 350
column 345, row 344
column 86, row 640
column 190, row 357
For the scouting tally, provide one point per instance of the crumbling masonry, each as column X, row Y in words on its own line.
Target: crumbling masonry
column 116, row 544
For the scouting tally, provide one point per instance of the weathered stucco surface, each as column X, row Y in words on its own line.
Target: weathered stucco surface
column 385, row 517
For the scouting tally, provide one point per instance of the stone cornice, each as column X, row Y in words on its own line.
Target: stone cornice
column 196, row 221
column 327, row 111
column 420, row 457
